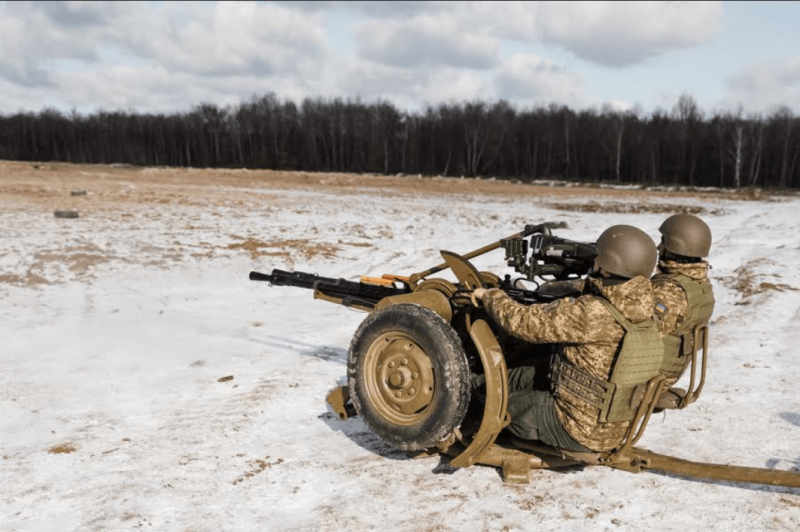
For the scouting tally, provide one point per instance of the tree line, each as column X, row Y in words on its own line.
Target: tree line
column 682, row 146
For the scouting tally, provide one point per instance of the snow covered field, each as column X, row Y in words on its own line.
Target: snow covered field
column 146, row 384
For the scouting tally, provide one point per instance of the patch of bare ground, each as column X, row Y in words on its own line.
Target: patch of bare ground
column 257, row 466
column 64, row 448
column 308, row 249
column 632, row 208
column 109, row 187
column 29, row 279
column 531, row 503
column 78, row 260
column 79, row 263
column 790, row 502
column 749, row 284
column 758, row 194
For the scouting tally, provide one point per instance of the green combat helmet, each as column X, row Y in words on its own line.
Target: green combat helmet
column 686, row 235
column 626, row 251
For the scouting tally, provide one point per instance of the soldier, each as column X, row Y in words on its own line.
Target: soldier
column 578, row 413
column 684, row 298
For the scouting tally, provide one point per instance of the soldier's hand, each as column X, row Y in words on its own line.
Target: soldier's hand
column 477, row 296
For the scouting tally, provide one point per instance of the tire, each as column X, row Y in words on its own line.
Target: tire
column 408, row 376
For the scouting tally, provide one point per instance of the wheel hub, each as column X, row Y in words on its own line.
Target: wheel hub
column 402, row 377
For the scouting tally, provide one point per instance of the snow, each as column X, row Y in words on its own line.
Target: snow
column 120, row 355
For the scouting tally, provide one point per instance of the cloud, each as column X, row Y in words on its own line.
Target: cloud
column 230, row 38
column 406, row 87
column 760, row 87
column 153, row 88
column 215, row 39
column 31, row 41
column 524, row 79
column 624, row 33
column 611, row 34
column 124, row 55
column 149, row 55
column 395, row 9
column 607, row 33
column 532, row 80
column 425, row 41
column 82, row 14
column 373, row 9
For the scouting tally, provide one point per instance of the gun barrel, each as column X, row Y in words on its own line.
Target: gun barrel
column 338, row 290
column 284, row 278
column 258, row 276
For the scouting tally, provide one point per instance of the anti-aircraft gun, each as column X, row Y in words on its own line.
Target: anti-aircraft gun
column 549, row 255
column 410, row 361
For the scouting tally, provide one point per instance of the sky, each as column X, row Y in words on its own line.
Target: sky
column 168, row 57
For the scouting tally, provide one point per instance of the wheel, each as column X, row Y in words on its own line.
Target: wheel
column 408, row 376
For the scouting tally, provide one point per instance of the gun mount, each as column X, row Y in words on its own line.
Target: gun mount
column 550, row 255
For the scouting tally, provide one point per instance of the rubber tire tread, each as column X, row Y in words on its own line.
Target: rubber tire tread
column 450, row 366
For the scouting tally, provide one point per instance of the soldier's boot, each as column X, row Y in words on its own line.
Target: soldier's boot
column 670, row 400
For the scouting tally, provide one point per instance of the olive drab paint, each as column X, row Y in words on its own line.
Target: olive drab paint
column 686, row 235
column 626, row 251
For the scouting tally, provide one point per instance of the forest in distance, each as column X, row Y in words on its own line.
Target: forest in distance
column 680, row 146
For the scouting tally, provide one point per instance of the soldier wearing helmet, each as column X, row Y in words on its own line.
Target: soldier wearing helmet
column 684, row 298
column 591, row 399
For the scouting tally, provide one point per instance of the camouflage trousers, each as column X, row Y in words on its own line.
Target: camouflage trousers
column 533, row 412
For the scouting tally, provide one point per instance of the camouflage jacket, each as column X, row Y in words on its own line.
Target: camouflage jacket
column 590, row 338
column 672, row 296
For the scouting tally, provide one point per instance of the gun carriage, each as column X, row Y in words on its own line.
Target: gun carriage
column 410, row 362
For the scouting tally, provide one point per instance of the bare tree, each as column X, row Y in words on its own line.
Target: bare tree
column 785, row 118
column 720, row 127
column 736, row 149
column 614, row 123
column 756, row 131
column 687, row 114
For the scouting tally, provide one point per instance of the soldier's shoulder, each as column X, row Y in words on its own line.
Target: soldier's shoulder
column 590, row 303
column 666, row 283
column 562, row 304
column 594, row 314
column 669, row 296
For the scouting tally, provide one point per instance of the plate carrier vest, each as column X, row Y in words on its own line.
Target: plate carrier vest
column 682, row 345
column 638, row 361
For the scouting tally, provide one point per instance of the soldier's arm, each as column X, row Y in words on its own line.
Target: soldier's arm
column 565, row 320
column 671, row 306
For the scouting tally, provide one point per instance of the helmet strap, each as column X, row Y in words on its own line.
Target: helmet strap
column 668, row 255
column 606, row 278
